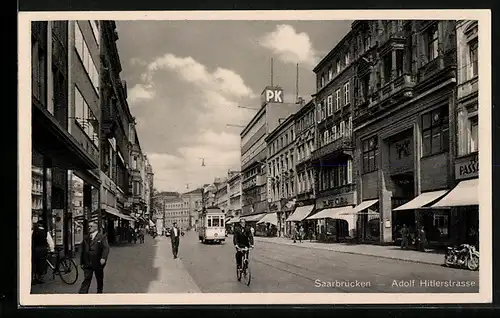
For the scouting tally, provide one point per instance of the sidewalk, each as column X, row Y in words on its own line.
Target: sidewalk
column 133, row 268
column 390, row 252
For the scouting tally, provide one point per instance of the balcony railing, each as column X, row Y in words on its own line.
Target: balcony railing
column 336, row 190
column 135, row 174
column 442, row 62
column 338, row 145
column 403, row 84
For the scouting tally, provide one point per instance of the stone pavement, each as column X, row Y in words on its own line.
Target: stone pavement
column 390, row 252
column 133, row 268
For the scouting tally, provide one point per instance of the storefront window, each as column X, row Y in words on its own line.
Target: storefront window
column 37, row 188
column 474, row 140
column 95, row 200
column 76, row 196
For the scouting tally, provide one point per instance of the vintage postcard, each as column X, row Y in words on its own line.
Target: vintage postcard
column 255, row 157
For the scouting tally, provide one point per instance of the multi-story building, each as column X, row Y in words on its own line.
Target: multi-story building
column 177, row 210
column 63, row 142
column 222, row 196
column 305, row 145
column 116, row 117
column 149, row 189
column 404, row 124
column 254, row 152
column 137, row 168
column 234, row 191
column 281, row 178
column 194, row 199
column 333, row 154
column 463, row 200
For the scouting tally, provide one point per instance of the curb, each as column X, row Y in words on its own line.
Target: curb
column 364, row 254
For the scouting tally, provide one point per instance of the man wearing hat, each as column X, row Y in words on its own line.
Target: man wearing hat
column 95, row 250
column 175, row 234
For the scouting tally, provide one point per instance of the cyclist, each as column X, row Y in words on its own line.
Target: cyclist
column 242, row 238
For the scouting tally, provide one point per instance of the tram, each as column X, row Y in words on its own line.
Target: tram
column 211, row 226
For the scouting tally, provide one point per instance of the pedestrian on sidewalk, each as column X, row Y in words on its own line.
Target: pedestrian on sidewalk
column 175, row 235
column 405, row 233
column 294, row 233
column 422, row 239
column 93, row 258
column 301, row 233
column 41, row 243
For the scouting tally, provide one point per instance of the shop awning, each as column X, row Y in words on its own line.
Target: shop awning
column 333, row 213
column 421, row 200
column 364, row 205
column 270, row 218
column 236, row 219
column 115, row 212
column 464, row 194
column 300, row 213
column 253, row 218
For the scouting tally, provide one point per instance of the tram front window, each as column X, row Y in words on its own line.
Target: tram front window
column 215, row 222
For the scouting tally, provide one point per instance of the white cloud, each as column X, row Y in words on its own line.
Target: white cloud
column 141, row 92
column 290, row 46
column 215, row 95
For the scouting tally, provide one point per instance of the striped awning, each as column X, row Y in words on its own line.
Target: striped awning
column 300, row 213
column 271, row 218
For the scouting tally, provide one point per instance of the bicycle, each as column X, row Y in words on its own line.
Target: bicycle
column 63, row 266
column 245, row 267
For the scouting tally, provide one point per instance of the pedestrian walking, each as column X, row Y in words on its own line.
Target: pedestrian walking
column 41, row 243
column 141, row 235
column 294, row 233
column 93, row 258
column 422, row 239
column 175, row 235
column 301, row 233
column 405, row 233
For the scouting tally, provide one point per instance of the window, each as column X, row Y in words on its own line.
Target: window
column 346, row 94
column 341, row 129
column 334, row 133
column 432, row 42
column 435, row 131
column 367, row 41
column 337, row 66
column 474, row 140
column 95, row 30
column 330, row 73
column 215, row 221
column 85, row 118
column 337, row 99
column 399, row 62
column 387, row 67
column 38, row 69
column 370, row 155
column 86, row 58
column 473, row 57
column 322, row 80
column 366, row 85
column 330, row 105
column 209, row 221
column 323, row 106
column 346, row 59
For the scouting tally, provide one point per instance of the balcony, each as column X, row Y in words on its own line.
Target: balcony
column 135, row 174
column 444, row 65
column 399, row 87
column 338, row 146
column 467, row 89
column 336, row 190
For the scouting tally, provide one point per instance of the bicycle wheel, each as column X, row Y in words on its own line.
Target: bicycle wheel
column 68, row 271
column 247, row 274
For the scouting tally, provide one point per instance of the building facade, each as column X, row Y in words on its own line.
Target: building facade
column 305, row 145
column 58, row 150
column 281, row 160
column 149, row 189
column 194, row 199
column 177, row 211
column 234, row 191
column 222, row 195
column 404, row 119
column 333, row 154
column 254, row 149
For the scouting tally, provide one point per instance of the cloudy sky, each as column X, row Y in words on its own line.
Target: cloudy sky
column 186, row 79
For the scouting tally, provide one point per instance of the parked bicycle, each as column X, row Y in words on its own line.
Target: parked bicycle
column 245, row 267
column 64, row 267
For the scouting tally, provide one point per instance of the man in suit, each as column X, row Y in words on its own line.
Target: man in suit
column 94, row 255
column 175, row 234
